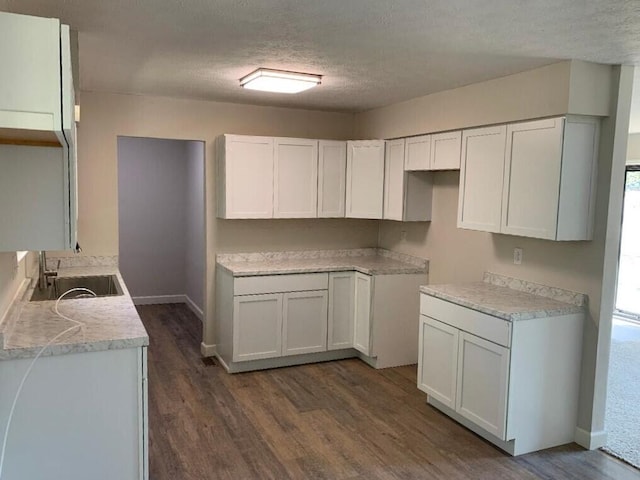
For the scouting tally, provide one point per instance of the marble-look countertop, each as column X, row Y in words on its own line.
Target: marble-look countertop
column 370, row 261
column 110, row 322
column 510, row 299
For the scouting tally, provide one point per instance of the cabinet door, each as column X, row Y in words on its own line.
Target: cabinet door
column 394, row 180
column 532, row 178
column 438, row 360
column 483, row 382
column 418, row 153
column 296, row 178
column 365, row 179
column 481, row 174
column 30, row 80
column 34, row 188
column 248, row 167
column 304, row 327
column 445, row 150
column 257, row 326
column 332, row 178
column 362, row 335
column 341, row 310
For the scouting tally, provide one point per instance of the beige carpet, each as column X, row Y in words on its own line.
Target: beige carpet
column 623, row 395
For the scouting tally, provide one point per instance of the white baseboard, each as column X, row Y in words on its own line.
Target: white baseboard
column 591, row 440
column 194, row 308
column 156, row 299
column 208, row 350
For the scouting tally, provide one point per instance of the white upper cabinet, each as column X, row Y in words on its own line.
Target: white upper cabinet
column 394, row 180
column 541, row 186
column 38, row 189
column 549, row 182
column 481, row 171
column 438, row 151
column 365, row 179
column 30, row 80
column 418, row 153
column 407, row 195
column 332, row 178
column 445, row 150
column 295, row 178
column 245, row 176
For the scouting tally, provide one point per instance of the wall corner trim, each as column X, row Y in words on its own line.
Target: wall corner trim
column 208, row 350
column 197, row 311
column 590, row 440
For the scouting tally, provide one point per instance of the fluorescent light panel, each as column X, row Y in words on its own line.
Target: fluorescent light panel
column 279, row 81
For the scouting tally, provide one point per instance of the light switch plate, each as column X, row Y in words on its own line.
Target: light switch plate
column 517, row 256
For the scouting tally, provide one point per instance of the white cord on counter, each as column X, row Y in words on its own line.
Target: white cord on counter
column 79, row 325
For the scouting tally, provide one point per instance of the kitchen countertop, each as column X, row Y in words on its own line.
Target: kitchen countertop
column 370, row 261
column 510, row 299
column 110, row 322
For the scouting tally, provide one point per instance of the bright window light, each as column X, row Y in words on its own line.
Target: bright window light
column 279, row 81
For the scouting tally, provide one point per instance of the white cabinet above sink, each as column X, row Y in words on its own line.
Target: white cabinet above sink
column 38, row 189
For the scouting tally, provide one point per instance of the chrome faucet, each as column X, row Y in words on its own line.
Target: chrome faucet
column 43, row 273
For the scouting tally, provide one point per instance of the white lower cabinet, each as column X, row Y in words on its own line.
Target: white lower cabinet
column 362, row 334
column 257, row 327
column 276, row 316
column 79, row 416
column 438, row 360
column 514, row 383
column 304, row 322
column 341, row 310
column 268, row 321
column 482, row 382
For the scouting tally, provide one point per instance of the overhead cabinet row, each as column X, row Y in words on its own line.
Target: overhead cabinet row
column 37, row 135
column 533, row 179
column 267, row 177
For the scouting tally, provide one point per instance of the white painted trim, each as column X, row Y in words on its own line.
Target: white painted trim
column 287, row 361
column 194, row 308
column 157, row 299
column 624, row 86
column 591, row 440
column 208, row 350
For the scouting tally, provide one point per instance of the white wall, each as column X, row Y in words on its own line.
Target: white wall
column 152, row 201
column 12, row 274
column 195, row 253
column 107, row 116
column 633, row 150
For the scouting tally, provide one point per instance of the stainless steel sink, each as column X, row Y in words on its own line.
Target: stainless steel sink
column 101, row 285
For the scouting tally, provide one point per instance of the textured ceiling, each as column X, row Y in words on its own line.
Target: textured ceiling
column 371, row 52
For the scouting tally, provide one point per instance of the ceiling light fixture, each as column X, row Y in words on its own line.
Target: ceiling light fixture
column 279, row 81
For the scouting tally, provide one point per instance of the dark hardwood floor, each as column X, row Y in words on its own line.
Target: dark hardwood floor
column 335, row 420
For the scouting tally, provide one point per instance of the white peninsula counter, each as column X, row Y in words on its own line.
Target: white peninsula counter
column 503, row 357
column 286, row 308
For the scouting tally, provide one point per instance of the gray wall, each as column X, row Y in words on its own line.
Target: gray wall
column 154, row 203
column 195, row 260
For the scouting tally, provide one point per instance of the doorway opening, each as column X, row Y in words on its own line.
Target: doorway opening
column 161, row 220
column 623, row 393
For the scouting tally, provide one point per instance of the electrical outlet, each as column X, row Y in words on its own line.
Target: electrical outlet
column 517, row 256
column 403, row 235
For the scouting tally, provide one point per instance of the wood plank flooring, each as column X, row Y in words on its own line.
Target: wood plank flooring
column 334, row 420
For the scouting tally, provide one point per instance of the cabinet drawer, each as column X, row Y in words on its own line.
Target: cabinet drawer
column 280, row 283
column 485, row 326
